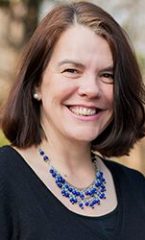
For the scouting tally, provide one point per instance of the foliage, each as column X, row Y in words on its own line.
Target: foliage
column 141, row 59
column 4, row 2
column 3, row 140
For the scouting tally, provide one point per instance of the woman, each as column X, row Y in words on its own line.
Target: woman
column 79, row 91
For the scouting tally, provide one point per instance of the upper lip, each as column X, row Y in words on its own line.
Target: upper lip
column 84, row 105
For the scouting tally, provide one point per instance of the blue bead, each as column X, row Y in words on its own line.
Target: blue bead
column 78, row 193
column 73, row 200
column 60, row 179
column 64, row 193
column 41, row 152
column 45, row 158
column 103, row 189
column 67, row 195
column 51, row 170
column 82, row 196
column 59, row 184
column 74, row 192
column 86, row 204
column 93, row 191
column 99, row 174
column 54, row 174
column 87, row 192
column 102, row 195
column 70, row 189
column 81, row 205
column 95, row 201
column 66, row 186
column 97, row 184
column 91, row 204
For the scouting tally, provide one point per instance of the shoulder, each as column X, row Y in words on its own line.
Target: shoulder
column 125, row 175
column 6, row 153
column 5, row 175
column 8, row 160
column 120, row 168
column 11, row 173
column 8, row 203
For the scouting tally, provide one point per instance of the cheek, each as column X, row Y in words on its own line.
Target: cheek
column 109, row 95
column 57, row 92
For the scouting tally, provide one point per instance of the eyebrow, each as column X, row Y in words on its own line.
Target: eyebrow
column 109, row 68
column 67, row 61
column 78, row 64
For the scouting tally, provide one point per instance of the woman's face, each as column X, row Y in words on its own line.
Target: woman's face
column 77, row 87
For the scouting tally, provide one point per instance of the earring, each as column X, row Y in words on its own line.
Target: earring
column 36, row 96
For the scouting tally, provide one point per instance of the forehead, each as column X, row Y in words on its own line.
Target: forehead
column 82, row 44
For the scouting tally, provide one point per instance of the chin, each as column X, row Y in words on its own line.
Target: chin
column 85, row 137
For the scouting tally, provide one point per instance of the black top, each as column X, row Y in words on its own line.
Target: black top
column 29, row 211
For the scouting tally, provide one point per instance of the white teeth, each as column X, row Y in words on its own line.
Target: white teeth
column 84, row 111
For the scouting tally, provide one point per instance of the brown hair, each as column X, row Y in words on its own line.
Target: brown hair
column 21, row 122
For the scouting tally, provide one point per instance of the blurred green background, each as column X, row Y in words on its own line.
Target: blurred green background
column 3, row 140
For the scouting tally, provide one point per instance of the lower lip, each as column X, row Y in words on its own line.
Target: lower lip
column 86, row 118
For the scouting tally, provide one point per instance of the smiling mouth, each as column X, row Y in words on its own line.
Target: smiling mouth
column 84, row 111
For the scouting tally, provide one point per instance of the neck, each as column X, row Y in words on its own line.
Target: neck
column 65, row 152
column 70, row 155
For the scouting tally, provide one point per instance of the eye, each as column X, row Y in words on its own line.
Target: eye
column 107, row 77
column 71, row 73
column 71, row 70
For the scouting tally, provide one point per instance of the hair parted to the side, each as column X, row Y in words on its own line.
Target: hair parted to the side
column 21, row 122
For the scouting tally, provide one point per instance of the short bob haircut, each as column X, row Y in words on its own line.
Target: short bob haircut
column 21, row 122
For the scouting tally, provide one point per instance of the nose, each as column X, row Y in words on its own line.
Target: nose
column 89, row 87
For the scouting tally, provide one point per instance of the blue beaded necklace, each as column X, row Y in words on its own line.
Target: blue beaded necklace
column 83, row 197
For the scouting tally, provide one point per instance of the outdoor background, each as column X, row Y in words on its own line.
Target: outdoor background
column 19, row 18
